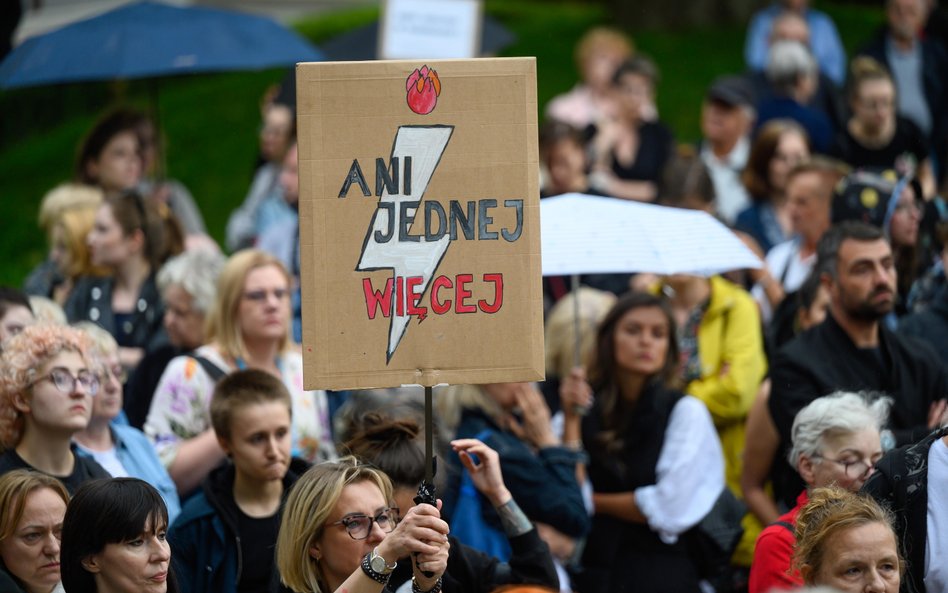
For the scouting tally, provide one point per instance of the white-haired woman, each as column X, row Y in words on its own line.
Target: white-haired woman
column 835, row 443
column 188, row 286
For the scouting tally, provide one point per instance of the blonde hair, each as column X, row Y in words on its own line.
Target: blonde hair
column 222, row 324
column 864, row 69
column 829, row 512
column 560, row 333
column 449, row 404
column 603, row 39
column 101, row 342
column 46, row 310
column 75, row 224
column 23, row 355
column 15, row 487
column 67, row 196
column 310, row 503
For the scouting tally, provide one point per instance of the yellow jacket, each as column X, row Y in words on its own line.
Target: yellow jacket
column 733, row 364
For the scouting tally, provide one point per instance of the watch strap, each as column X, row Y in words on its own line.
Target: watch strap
column 372, row 573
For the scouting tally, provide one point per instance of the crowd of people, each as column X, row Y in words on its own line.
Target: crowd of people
column 155, row 434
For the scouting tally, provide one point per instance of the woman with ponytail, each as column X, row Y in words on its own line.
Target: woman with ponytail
column 394, row 446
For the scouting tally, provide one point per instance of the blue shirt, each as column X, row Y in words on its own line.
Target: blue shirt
column 824, row 41
column 137, row 455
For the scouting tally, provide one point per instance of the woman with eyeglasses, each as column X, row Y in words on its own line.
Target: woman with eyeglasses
column 339, row 532
column 121, row 450
column 131, row 240
column 836, row 442
column 47, row 382
column 247, row 328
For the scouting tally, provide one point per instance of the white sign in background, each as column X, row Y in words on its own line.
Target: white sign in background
column 430, row 29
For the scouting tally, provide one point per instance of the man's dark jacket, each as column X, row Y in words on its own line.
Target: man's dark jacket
column 824, row 359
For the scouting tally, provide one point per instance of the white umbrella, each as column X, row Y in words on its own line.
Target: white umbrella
column 583, row 234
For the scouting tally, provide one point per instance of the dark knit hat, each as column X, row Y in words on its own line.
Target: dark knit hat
column 866, row 195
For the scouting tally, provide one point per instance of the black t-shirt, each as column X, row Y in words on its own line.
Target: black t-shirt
column 655, row 148
column 908, row 142
column 257, row 541
column 85, row 469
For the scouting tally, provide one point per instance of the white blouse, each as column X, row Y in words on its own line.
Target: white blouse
column 689, row 473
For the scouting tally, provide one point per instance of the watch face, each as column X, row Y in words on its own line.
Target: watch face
column 378, row 563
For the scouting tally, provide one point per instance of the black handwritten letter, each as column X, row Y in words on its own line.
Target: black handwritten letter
column 433, row 209
column 484, row 219
column 405, row 220
column 355, row 175
column 382, row 177
column 389, row 209
column 515, row 234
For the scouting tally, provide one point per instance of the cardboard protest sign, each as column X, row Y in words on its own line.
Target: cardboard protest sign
column 419, row 222
column 430, row 28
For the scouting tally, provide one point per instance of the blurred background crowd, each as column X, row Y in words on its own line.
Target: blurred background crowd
column 163, row 278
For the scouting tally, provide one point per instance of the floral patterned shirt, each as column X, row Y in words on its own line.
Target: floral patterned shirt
column 180, row 409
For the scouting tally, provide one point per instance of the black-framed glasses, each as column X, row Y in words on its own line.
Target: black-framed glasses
column 259, row 296
column 66, row 381
column 852, row 469
column 359, row 526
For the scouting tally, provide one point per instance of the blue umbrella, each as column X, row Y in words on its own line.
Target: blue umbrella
column 149, row 39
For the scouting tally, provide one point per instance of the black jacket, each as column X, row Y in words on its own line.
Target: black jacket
column 930, row 325
column 824, row 359
column 901, row 483
column 91, row 300
column 472, row 571
column 207, row 553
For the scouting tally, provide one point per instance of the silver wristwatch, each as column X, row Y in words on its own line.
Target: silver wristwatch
column 378, row 563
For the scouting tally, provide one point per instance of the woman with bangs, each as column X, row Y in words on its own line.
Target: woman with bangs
column 247, row 327
column 47, row 383
column 113, row 540
column 339, row 532
column 131, row 240
column 32, row 506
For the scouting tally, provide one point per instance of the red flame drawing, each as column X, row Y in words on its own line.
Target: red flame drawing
column 423, row 88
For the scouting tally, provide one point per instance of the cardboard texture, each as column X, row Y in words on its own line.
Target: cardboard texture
column 419, row 223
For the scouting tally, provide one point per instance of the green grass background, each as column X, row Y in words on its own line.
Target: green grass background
column 211, row 121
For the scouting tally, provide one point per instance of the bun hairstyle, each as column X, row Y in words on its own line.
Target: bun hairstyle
column 393, row 446
column 829, row 512
column 864, row 69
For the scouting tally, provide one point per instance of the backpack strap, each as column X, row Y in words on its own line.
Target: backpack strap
column 215, row 372
column 785, row 524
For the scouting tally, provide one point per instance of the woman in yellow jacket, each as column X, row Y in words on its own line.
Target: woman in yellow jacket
column 722, row 364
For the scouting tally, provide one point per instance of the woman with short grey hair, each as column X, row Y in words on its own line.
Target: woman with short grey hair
column 836, row 442
column 188, row 286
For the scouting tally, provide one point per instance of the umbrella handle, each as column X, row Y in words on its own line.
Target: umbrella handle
column 577, row 334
